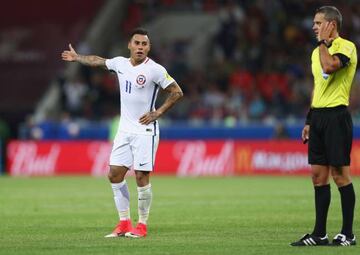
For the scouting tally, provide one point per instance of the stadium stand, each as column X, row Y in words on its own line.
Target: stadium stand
column 248, row 65
column 32, row 34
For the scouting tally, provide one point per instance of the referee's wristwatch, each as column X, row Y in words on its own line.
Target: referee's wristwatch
column 323, row 41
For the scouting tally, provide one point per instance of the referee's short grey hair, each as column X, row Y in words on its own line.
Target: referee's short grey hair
column 331, row 13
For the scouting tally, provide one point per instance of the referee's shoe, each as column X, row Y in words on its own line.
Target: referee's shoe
column 311, row 240
column 343, row 240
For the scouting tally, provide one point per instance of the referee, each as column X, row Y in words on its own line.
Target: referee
column 329, row 126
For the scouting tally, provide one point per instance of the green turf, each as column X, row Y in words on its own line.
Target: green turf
column 243, row 215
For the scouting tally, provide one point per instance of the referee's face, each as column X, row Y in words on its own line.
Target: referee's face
column 139, row 47
column 318, row 20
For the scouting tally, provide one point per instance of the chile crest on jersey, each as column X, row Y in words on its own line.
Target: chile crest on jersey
column 140, row 81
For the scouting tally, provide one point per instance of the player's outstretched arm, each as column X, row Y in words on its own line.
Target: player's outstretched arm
column 174, row 94
column 91, row 60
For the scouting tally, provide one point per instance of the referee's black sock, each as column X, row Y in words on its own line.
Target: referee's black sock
column 347, row 194
column 322, row 203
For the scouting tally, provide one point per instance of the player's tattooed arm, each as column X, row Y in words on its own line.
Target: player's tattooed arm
column 91, row 60
column 174, row 94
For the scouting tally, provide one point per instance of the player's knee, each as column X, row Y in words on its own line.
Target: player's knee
column 111, row 177
column 142, row 179
column 115, row 176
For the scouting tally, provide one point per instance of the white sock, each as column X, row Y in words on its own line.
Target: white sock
column 144, row 202
column 122, row 199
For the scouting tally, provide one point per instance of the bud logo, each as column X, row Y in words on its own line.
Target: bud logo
column 196, row 159
column 183, row 158
column 27, row 160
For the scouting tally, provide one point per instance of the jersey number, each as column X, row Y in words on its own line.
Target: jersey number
column 128, row 87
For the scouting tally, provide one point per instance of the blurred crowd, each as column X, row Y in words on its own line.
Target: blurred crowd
column 257, row 67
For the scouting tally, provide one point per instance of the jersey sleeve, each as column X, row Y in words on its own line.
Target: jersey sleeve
column 345, row 49
column 112, row 63
column 343, row 59
column 161, row 77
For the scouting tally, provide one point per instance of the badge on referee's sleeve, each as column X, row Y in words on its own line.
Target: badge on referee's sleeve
column 348, row 50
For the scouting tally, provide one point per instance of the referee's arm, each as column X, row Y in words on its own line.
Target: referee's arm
column 329, row 63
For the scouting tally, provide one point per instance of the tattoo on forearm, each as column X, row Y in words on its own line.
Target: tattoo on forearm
column 174, row 95
column 91, row 60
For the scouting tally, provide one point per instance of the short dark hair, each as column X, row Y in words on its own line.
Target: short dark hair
column 331, row 13
column 138, row 31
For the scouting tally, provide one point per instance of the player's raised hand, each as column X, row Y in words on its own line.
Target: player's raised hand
column 69, row 55
column 149, row 117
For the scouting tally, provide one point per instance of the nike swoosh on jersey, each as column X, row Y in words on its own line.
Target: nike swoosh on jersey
column 143, row 164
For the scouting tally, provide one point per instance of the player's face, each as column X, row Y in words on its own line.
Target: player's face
column 139, row 47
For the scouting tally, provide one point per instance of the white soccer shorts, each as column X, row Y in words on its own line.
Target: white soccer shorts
column 134, row 150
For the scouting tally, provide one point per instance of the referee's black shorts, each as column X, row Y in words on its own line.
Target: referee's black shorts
column 330, row 137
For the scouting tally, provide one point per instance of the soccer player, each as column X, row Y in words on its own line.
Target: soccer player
column 329, row 126
column 137, row 138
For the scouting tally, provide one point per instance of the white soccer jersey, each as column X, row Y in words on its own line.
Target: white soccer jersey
column 139, row 86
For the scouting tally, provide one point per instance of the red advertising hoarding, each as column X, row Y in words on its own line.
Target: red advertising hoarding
column 181, row 158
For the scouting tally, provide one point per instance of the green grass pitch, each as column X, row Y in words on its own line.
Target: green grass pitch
column 242, row 215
